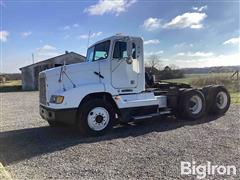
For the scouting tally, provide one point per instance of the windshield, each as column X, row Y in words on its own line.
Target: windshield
column 98, row 52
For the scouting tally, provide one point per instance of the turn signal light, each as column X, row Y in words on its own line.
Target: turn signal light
column 56, row 99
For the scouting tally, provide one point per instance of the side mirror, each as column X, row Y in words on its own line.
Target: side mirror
column 129, row 60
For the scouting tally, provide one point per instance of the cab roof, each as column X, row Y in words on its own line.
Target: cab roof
column 115, row 37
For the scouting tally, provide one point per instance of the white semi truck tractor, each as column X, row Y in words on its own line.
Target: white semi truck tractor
column 110, row 88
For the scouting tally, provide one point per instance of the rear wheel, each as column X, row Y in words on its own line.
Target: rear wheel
column 221, row 100
column 208, row 94
column 192, row 105
column 95, row 117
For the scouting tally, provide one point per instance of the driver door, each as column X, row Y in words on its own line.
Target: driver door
column 124, row 65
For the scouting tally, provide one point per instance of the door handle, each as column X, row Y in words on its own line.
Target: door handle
column 98, row 73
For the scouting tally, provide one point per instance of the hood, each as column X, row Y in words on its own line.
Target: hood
column 66, row 77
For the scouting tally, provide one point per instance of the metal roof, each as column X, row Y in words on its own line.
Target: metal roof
column 44, row 61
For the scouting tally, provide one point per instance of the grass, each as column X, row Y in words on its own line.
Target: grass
column 190, row 77
column 11, row 86
column 235, row 97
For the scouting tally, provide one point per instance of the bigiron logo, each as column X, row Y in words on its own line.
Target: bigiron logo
column 207, row 169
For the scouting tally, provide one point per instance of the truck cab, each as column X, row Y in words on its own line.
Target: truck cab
column 110, row 87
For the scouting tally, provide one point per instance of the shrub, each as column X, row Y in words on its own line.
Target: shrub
column 229, row 83
column 171, row 74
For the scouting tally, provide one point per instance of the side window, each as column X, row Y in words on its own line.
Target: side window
column 101, row 51
column 120, row 50
column 133, row 50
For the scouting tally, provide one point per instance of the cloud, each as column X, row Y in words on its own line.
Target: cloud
column 196, row 54
column 75, row 25
column 152, row 24
column 152, row 41
column 187, row 20
column 68, row 27
column 191, row 20
column 109, row 6
column 154, row 53
column 180, row 54
column 205, row 61
column 46, row 55
column 197, row 26
column 46, row 51
column 26, row 34
column 47, row 47
column 92, row 35
column 4, row 36
column 200, row 9
column 235, row 40
column 183, row 45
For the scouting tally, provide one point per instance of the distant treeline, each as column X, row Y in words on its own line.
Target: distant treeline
column 220, row 69
column 12, row 76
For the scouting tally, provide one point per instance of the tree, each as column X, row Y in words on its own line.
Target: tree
column 171, row 72
column 173, row 67
column 153, row 61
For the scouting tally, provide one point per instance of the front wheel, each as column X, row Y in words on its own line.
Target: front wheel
column 96, row 117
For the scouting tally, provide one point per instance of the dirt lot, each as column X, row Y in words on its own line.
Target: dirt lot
column 29, row 149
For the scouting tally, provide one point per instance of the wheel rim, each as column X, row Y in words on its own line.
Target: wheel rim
column 222, row 100
column 98, row 118
column 195, row 105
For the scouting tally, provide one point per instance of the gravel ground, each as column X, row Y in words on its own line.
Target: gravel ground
column 29, row 149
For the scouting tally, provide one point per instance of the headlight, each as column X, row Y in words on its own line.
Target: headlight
column 56, row 99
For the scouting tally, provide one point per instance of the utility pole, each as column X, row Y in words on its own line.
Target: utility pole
column 33, row 58
column 89, row 35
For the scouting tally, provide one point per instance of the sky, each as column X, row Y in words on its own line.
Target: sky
column 186, row 33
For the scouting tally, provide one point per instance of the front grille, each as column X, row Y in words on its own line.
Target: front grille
column 42, row 90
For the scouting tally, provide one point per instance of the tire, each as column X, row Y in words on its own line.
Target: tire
column 208, row 94
column 221, row 101
column 95, row 117
column 192, row 105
